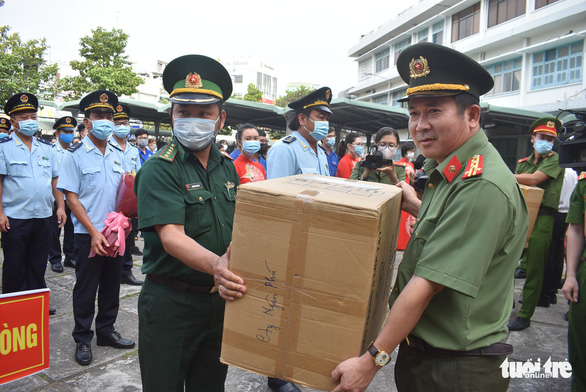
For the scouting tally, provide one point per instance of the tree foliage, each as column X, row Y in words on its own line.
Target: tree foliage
column 22, row 69
column 104, row 66
column 253, row 94
column 293, row 95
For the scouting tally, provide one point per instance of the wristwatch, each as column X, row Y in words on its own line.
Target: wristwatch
column 381, row 358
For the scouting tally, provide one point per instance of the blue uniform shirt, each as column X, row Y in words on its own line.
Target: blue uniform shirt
column 59, row 152
column 131, row 154
column 26, row 188
column 95, row 179
column 144, row 155
column 293, row 155
column 332, row 160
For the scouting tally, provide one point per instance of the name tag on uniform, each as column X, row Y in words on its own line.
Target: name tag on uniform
column 117, row 163
column 191, row 187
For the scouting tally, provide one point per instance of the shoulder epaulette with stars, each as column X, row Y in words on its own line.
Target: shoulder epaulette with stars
column 44, row 141
column 522, row 159
column 75, row 146
column 289, row 139
column 582, row 176
column 399, row 163
column 6, row 139
column 168, row 152
column 474, row 166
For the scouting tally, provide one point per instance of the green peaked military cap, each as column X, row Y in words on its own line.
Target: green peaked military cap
column 319, row 99
column 65, row 122
column 433, row 70
column 21, row 101
column 121, row 111
column 547, row 125
column 197, row 79
column 99, row 100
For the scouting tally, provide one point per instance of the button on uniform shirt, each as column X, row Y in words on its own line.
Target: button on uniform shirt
column 95, row 179
column 469, row 235
column 131, row 155
column 293, row 155
column 26, row 187
column 173, row 187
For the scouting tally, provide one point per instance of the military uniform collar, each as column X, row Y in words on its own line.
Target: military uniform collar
column 89, row 146
column 302, row 140
column 214, row 158
column 115, row 143
column 541, row 157
column 20, row 143
column 456, row 161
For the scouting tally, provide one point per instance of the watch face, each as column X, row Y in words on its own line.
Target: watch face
column 382, row 358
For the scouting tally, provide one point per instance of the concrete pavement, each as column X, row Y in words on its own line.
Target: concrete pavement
column 114, row 370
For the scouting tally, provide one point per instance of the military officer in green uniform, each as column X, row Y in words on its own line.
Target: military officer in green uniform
column 539, row 169
column 575, row 286
column 454, row 288
column 186, row 197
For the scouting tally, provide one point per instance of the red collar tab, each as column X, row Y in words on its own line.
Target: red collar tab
column 582, row 176
column 474, row 166
column 452, row 169
column 522, row 159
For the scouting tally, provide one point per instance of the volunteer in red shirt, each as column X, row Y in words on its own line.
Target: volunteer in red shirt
column 351, row 151
column 407, row 156
column 248, row 170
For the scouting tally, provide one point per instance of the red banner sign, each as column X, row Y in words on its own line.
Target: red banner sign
column 24, row 334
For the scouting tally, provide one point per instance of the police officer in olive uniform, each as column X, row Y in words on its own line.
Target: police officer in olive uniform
column 575, row 285
column 28, row 176
column 298, row 153
column 64, row 131
column 4, row 127
column 539, row 169
column 186, row 198
column 90, row 175
column 454, row 287
column 118, row 138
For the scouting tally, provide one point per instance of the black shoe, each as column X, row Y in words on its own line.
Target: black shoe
column 135, row 251
column 289, row 387
column 57, row 267
column 543, row 302
column 520, row 274
column 52, row 311
column 553, row 298
column 131, row 280
column 83, row 353
column 69, row 262
column 113, row 339
column 519, row 324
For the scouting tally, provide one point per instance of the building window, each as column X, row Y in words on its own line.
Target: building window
column 422, row 35
column 466, row 22
column 398, row 95
column 382, row 60
column 381, row 99
column 558, row 66
column 500, row 11
column 365, row 69
column 259, row 80
column 399, row 47
column 506, row 75
column 274, row 96
column 237, row 78
column 543, row 3
column 437, row 33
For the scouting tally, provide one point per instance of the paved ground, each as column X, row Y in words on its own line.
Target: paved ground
column 117, row 370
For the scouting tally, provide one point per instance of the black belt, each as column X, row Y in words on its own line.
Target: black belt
column 545, row 211
column 494, row 349
column 183, row 286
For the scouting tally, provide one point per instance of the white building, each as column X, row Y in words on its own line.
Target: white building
column 246, row 70
column 533, row 48
column 152, row 89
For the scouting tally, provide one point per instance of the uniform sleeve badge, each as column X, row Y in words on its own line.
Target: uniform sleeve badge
column 474, row 166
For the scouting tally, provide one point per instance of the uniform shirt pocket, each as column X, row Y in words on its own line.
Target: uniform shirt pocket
column 199, row 213
column 45, row 166
column 309, row 170
column 91, row 176
column 18, row 168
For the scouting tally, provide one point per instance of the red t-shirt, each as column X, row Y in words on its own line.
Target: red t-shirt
column 249, row 170
column 346, row 165
column 409, row 170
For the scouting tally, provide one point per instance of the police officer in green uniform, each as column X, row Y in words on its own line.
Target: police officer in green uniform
column 575, row 286
column 186, row 197
column 539, row 169
column 454, row 288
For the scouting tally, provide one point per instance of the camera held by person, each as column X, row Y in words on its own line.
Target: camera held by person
column 378, row 157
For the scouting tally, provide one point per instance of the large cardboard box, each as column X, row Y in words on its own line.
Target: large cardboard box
column 317, row 256
column 533, row 196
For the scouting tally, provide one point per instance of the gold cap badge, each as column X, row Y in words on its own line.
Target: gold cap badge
column 23, row 98
column 104, row 98
column 328, row 94
column 119, row 108
column 68, row 120
column 551, row 124
column 193, row 80
column 418, row 67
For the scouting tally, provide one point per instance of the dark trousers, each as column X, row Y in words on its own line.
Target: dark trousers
column 55, row 248
column 100, row 275
column 180, row 339
column 25, row 247
column 423, row 371
column 127, row 264
column 576, row 335
column 554, row 265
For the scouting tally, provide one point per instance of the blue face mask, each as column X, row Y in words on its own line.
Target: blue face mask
column 331, row 141
column 543, row 146
column 320, row 129
column 66, row 137
column 102, row 129
column 121, row 130
column 251, row 146
column 28, row 127
column 358, row 150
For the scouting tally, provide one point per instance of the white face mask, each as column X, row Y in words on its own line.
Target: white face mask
column 194, row 133
column 410, row 155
